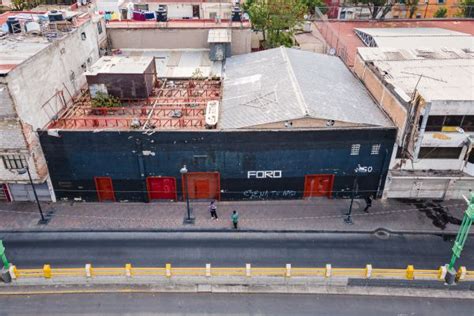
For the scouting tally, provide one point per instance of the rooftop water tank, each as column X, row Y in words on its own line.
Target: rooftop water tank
column 55, row 15
column 162, row 14
column 149, row 15
column 236, row 14
column 13, row 25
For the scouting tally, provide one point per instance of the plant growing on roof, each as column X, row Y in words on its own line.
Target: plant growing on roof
column 102, row 100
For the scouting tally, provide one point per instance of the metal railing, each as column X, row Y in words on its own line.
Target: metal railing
column 368, row 272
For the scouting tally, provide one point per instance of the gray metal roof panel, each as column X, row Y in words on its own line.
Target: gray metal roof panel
column 287, row 84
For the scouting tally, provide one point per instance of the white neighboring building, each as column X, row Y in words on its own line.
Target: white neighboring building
column 429, row 94
column 38, row 77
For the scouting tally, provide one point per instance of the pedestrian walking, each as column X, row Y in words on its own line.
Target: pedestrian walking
column 213, row 210
column 235, row 219
column 368, row 202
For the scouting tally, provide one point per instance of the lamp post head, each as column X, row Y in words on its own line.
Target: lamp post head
column 22, row 171
column 183, row 170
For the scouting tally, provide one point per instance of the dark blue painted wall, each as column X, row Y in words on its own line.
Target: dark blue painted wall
column 76, row 157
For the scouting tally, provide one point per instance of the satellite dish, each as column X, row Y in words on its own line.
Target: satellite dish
column 332, row 51
column 4, row 28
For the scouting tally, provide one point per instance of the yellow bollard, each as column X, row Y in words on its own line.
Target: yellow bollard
column 442, row 272
column 168, row 270
column 47, row 271
column 368, row 271
column 410, row 272
column 128, row 270
column 461, row 274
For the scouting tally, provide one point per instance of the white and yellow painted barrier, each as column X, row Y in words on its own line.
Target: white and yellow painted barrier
column 287, row 271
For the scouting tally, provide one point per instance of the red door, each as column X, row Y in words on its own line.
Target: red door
column 202, row 185
column 318, row 185
column 105, row 190
column 161, row 188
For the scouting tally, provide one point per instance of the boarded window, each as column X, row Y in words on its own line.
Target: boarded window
column 12, row 162
column 355, row 149
column 375, row 149
column 439, row 152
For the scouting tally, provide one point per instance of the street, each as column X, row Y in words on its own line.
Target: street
column 229, row 304
column 32, row 250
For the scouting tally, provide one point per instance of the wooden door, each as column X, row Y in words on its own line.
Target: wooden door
column 105, row 189
column 161, row 188
column 202, row 185
column 318, row 185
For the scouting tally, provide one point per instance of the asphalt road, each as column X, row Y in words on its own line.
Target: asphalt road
column 230, row 304
column 27, row 250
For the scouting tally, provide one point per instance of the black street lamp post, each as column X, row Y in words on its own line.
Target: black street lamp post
column 188, row 219
column 43, row 220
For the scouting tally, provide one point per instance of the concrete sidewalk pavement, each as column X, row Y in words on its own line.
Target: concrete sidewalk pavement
column 320, row 215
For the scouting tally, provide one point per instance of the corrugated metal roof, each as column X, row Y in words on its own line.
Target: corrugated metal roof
column 288, row 84
column 424, row 37
column 446, row 75
column 11, row 136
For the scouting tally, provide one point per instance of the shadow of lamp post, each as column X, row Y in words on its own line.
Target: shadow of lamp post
column 43, row 220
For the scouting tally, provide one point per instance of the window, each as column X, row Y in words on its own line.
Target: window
column 439, row 152
column 83, row 36
column 468, row 123
column 375, row 149
column 435, row 123
column 355, row 149
column 453, row 120
column 12, row 162
column 441, row 1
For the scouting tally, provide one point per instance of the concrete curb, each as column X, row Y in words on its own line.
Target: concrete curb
column 262, row 286
column 229, row 230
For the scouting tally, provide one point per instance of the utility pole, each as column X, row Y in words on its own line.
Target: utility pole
column 5, row 276
column 460, row 240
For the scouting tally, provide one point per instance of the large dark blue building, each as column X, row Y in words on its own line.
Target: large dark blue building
column 290, row 124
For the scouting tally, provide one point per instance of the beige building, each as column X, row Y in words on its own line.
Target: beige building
column 42, row 68
column 429, row 94
column 187, row 34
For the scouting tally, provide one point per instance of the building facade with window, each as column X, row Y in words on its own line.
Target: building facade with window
column 429, row 94
column 278, row 124
column 39, row 74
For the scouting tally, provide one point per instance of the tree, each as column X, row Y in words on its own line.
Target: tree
column 312, row 4
column 442, row 12
column 20, row 5
column 277, row 20
column 412, row 5
column 467, row 8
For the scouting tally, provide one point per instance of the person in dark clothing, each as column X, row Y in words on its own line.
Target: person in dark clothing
column 368, row 201
column 213, row 210
column 235, row 219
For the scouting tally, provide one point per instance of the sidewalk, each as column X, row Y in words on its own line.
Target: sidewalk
column 322, row 215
